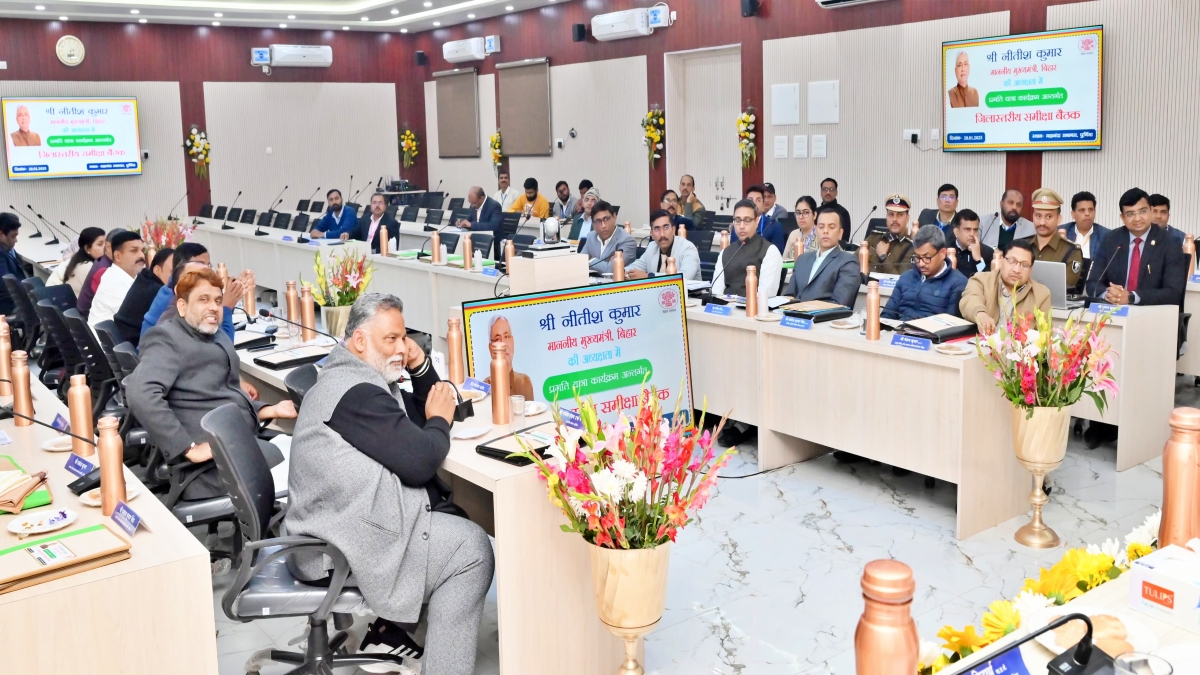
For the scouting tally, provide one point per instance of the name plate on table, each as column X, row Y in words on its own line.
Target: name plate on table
column 286, row 238
column 1195, row 279
column 887, row 283
column 78, row 465
column 910, row 342
column 61, row 423
column 719, row 310
column 472, row 384
column 127, row 519
column 490, row 272
column 1005, row 663
column 1101, row 308
column 795, row 322
column 571, row 418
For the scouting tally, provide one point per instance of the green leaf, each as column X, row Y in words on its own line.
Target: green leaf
column 1081, row 585
column 1114, row 572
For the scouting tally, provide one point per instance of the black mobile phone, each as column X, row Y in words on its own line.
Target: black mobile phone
column 86, row 483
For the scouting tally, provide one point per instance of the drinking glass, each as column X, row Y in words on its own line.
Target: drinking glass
column 517, row 405
column 1133, row 663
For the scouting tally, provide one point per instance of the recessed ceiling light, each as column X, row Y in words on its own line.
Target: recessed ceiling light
column 470, row 16
column 141, row 21
column 291, row 16
column 283, row 25
column 40, row 7
column 403, row 30
column 437, row 23
column 365, row 18
column 509, row 8
column 62, row 18
column 428, row 4
column 395, row 11
column 345, row 27
column 218, row 15
column 216, row 23
column 134, row 11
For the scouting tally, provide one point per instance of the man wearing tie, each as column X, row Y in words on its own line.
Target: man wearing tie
column 1139, row 264
column 484, row 217
column 828, row 273
column 368, row 225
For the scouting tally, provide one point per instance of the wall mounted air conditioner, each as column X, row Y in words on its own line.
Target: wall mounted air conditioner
column 836, row 4
column 620, row 25
column 471, row 49
column 301, row 56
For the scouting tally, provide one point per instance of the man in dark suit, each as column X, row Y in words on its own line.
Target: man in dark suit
column 670, row 203
column 484, row 218
column 971, row 255
column 1084, row 230
column 368, row 227
column 829, row 273
column 10, row 229
column 1139, row 264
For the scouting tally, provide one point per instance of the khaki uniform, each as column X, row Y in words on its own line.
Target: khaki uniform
column 899, row 256
column 1063, row 251
column 983, row 295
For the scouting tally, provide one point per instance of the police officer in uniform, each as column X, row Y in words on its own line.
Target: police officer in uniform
column 891, row 252
column 1049, row 243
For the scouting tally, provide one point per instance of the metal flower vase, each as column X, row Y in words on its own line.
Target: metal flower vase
column 1040, row 443
column 335, row 319
column 631, row 592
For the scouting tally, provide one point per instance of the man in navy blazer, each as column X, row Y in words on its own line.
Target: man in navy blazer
column 828, row 273
column 338, row 221
column 1085, row 231
column 370, row 226
column 484, row 217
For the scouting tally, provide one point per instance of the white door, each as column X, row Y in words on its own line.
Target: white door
column 704, row 91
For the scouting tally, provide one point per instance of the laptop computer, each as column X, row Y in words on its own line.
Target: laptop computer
column 1053, row 275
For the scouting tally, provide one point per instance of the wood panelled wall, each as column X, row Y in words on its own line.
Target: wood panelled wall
column 192, row 55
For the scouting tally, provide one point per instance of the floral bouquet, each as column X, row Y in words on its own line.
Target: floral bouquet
column 408, row 145
column 497, row 153
column 654, row 127
column 198, row 150
column 1038, row 365
column 165, row 233
column 633, row 484
column 341, row 281
column 746, row 138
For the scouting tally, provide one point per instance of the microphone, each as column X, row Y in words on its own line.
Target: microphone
column 64, row 224
column 1073, row 657
column 278, row 199
column 172, row 212
column 266, row 314
column 864, row 222
column 708, row 296
column 310, row 198
column 31, row 222
column 1106, row 266
column 48, row 227
column 421, row 252
column 6, row 412
column 224, row 223
column 995, row 217
column 439, row 187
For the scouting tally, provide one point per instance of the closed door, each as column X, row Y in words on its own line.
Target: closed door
column 704, row 91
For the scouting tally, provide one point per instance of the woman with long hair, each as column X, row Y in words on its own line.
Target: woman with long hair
column 74, row 271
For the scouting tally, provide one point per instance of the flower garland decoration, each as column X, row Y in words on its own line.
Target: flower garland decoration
column 199, row 150
column 497, row 154
column 341, row 282
column 746, row 138
column 654, row 131
column 408, row 144
column 1079, row 571
column 166, row 233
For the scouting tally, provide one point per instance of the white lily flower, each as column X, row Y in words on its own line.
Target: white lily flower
column 1029, row 605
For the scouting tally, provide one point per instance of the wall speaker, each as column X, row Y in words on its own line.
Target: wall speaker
column 422, row 59
column 578, row 32
column 749, row 8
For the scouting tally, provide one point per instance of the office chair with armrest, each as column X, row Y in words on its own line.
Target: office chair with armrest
column 48, row 359
column 456, row 203
column 137, row 440
column 264, row 585
column 299, row 381
column 109, row 337
column 206, row 211
column 57, row 332
column 235, row 215
column 248, row 216
column 26, row 318
column 32, row 283
column 220, row 212
column 95, row 364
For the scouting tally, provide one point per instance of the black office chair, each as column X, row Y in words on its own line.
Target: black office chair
column 522, row 242
column 433, row 200
column 434, row 217
column 248, row 216
column 109, row 337
column 927, row 217
column 450, row 241
column 876, row 225
column 32, row 283
column 391, row 210
column 708, row 264
column 459, row 214
column 456, row 203
column 44, row 351
column 300, row 223
column 720, row 221
column 616, row 209
column 24, row 322
column 235, row 214
column 220, row 213
column 788, row 224
column 299, row 381
column 264, row 585
column 57, row 333
column 482, row 242
column 509, row 223
column 316, row 207
column 264, row 218
column 641, row 250
column 100, row 374
column 703, row 239
column 206, row 210
column 302, row 205
column 282, row 221
column 409, row 214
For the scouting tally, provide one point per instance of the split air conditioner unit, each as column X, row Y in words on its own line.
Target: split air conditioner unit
column 620, row 25
column 836, row 4
column 471, row 49
column 301, row 56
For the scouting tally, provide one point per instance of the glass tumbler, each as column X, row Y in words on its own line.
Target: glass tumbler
column 517, row 405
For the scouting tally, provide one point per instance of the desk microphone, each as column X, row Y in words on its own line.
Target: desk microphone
column 171, row 214
column 31, row 222
column 1106, row 266
column 64, row 224
column 49, row 227
column 708, row 298
column 266, row 314
column 278, row 199
column 310, row 198
column 864, row 222
column 995, row 217
column 224, row 223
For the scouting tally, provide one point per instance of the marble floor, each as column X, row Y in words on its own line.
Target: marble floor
column 766, row 580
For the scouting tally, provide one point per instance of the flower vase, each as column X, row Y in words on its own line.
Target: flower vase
column 631, row 592
column 1040, row 442
column 334, row 319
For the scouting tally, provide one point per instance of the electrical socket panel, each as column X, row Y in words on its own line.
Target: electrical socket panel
column 908, row 134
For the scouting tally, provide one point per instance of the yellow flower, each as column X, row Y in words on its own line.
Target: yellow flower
column 941, row 662
column 1000, row 620
column 1137, row 550
column 964, row 642
column 1056, row 583
column 1091, row 569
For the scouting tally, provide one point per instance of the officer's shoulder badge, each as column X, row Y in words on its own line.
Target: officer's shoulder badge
column 1076, row 266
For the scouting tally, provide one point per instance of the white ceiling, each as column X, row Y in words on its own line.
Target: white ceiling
column 380, row 15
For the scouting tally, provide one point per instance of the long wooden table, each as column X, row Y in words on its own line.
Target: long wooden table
column 150, row 614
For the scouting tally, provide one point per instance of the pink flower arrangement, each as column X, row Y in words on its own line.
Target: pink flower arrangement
column 1038, row 365
column 633, row 484
column 165, row 233
column 342, row 280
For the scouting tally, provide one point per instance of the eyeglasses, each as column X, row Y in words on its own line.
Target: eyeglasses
column 947, row 198
column 1019, row 264
column 827, row 189
column 670, row 200
column 1139, row 212
column 805, row 212
column 603, row 220
column 926, row 259
column 662, row 229
column 744, row 221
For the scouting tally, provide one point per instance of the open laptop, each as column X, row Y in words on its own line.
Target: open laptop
column 1053, row 275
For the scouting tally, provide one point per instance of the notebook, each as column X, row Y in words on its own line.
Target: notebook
column 500, row 448
column 817, row 310
column 39, row 497
column 290, row 358
column 938, row 328
column 59, row 555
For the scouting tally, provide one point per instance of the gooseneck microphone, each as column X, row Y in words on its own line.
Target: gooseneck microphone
column 278, row 199
column 995, row 217
column 64, row 224
column 708, row 297
column 48, row 227
column 266, row 314
column 171, row 213
column 310, row 198
column 225, row 223
column 864, row 222
column 1106, row 266
column 31, row 222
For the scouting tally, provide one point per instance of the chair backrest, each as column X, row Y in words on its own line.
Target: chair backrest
column 433, row 200
column 94, row 360
column 242, row 469
column 31, row 283
column 876, row 225
column 708, row 264
column 21, row 302
column 264, row 219
column 206, row 210
column 409, row 214
column 282, row 220
column 127, row 357
column 248, row 216
column 220, row 213
column 391, row 210
column 703, row 239
column 433, row 217
column 616, row 209
column 57, row 332
column 450, row 241
column 482, row 242
column 109, row 337
column 235, row 214
column 788, row 224
column 522, row 242
column 302, row 205
column 509, row 222
column 456, row 203
column 299, row 381
column 60, row 295
column 641, row 251
column 927, row 217
column 720, row 221
column 460, row 213
column 300, row 223
column 317, row 206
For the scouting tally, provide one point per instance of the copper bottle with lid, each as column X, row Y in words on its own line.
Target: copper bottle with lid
column 1189, row 247
column 79, row 405
column 724, row 239
column 6, row 388
column 501, row 372
column 292, row 305
column 618, row 261
column 952, row 258
column 222, row 273
column 467, row 251
column 872, row 321
column 435, row 247
column 510, row 251
column 628, row 228
column 886, row 641
column 1181, row 480
column 671, row 267
column 864, row 259
column 682, row 232
column 112, row 469
column 751, row 291
column 308, row 320
column 385, row 241
column 22, row 396
column 250, row 302
column 454, row 344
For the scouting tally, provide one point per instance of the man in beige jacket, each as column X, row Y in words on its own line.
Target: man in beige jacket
column 990, row 298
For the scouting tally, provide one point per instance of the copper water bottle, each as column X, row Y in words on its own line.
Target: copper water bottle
column 222, row 273
column 751, row 291
column 307, row 319
column 501, row 372
column 292, row 304
column 996, row 259
column 724, row 239
column 22, row 396
column 864, row 259
column 112, row 468
column 950, row 255
column 435, row 247
column 249, row 302
column 886, row 641
column 872, row 310
column 509, row 251
column 1189, row 247
column 618, row 266
column 671, row 268
column 1181, row 479
column 628, row 229
column 467, row 251
column 683, row 231
column 454, row 343
column 5, row 358
column 79, row 403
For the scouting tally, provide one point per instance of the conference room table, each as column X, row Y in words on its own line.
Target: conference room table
column 149, row 614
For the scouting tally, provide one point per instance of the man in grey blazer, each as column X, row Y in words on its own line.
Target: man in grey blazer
column 363, row 477
column 606, row 238
column 828, row 273
column 189, row 367
column 667, row 245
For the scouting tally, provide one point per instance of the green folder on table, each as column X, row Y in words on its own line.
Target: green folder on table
column 39, row 497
